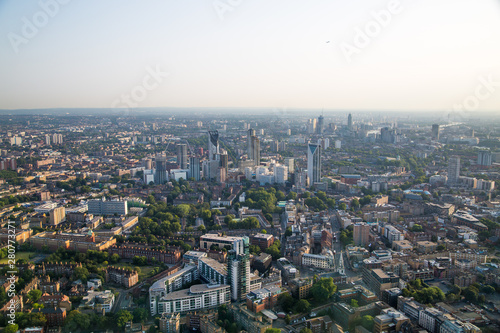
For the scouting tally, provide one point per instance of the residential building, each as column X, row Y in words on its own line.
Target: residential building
column 104, row 207
column 197, row 297
column 361, row 232
column 170, row 322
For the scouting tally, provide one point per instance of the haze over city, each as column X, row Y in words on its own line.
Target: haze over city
column 363, row 55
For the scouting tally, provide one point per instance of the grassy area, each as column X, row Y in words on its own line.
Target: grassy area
column 145, row 270
column 19, row 255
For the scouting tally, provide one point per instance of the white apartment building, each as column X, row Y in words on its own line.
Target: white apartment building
column 196, row 298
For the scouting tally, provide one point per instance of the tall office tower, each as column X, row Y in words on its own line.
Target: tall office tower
column 349, row 122
column 484, row 157
column 313, row 163
column 320, row 124
column 435, row 132
column 311, row 126
column 290, row 163
column 238, row 269
column 182, row 155
column 453, row 169
column 160, row 169
column 47, row 140
column 194, row 168
column 213, row 145
column 361, row 232
column 254, row 150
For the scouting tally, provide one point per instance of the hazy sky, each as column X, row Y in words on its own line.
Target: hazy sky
column 419, row 55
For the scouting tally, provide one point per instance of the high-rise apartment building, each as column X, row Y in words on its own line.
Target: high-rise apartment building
column 290, row 164
column 435, row 132
column 314, row 163
column 253, row 146
column 453, row 170
column 361, row 232
column 349, row 122
column 182, row 156
column 194, row 168
column 161, row 169
column 484, row 158
column 280, row 174
column 57, row 139
column 238, row 268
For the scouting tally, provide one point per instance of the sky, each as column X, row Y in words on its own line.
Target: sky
column 407, row 55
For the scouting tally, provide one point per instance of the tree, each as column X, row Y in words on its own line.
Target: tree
column 291, row 196
column 342, row 206
column 303, row 306
column 206, row 214
column 355, row 204
column 274, row 251
column 34, row 295
column 11, row 328
column 81, row 273
column 273, row 330
column 140, row 315
column 75, row 320
column 288, row 231
column 417, row 228
column 323, row 289
column 354, row 303
column 471, row 294
column 488, row 289
column 367, row 322
column 122, row 317
column 288, row 319
column 286, row 301
column 306, row 330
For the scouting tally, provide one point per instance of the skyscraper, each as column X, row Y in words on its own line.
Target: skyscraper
column 314, row 163
column 194, row 168
column 320, row 124
column 311, row 126
column 250, row 133
column 253, row 147
column 182, row 155
column 161, row 169
column 224, row 161
column 349, row 122
column 361, row 231
column 435, row 132
column 453, row 169
column 213, row 145
column 238, row 269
